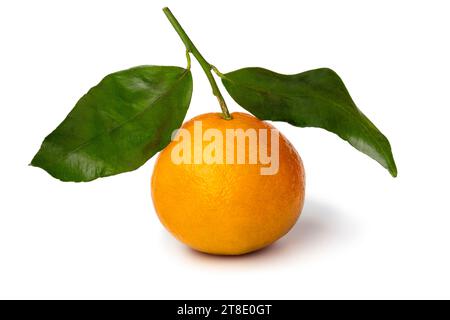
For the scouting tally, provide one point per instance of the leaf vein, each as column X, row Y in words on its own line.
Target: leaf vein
column 107, row 132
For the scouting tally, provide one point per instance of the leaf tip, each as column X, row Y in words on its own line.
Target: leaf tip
column 393, row 172
column 393, row 169
column 32, row 163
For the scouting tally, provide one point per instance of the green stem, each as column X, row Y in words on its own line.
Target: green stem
column 188, row 59
column 190, row 47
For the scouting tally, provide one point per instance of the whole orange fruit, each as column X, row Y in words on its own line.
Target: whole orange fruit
column 227, row 208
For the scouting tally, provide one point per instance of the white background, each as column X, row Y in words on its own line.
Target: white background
column 362, row 234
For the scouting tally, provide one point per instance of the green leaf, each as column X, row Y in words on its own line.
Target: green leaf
column 316, row 98
column 118, row 125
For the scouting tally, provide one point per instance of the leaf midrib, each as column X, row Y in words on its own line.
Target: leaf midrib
column 364, row 123
column 107, row 132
